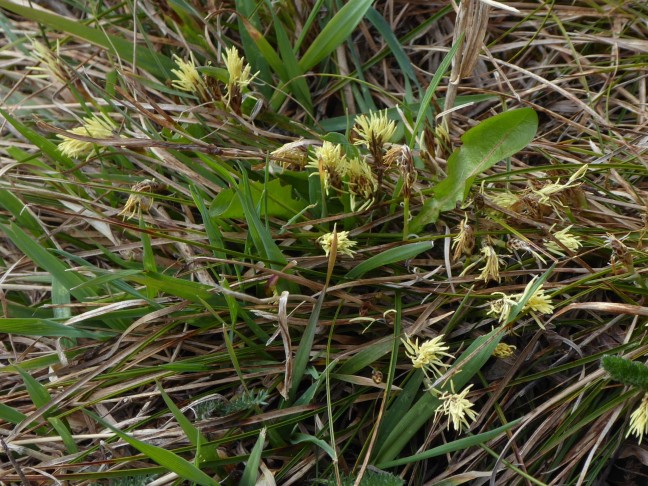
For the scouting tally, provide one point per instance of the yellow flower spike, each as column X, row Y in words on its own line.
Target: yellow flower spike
column 362, row 182
column 490, row 270
column 94, row 127
column 344, row 244
column 538, row 301
column 51, row 66
column 292, row 154
column 428, row 355
column 464, row 242
column 501, row 308
column 505, row 200
column 331, row 165
column 457, row 408
column 136, row 202
column 639, row 420
column 503, row 351
column 188, row 77
column 237, row 68
column 571, row 242
column 374, row 130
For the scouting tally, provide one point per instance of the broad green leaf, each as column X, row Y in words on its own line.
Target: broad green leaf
column 305, row 345
column 280, row 201
column 37, row 392
column 185, row 289
column 29, row 326
column 393, row 255
column 456, row 445
column 335, row 32
column 163, row 457
column 483, row 146
column 251, row 472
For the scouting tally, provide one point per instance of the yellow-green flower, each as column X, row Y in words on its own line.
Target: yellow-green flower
column 572, row 242
column 490, row 270
column 50, row 64
column 464, row 242
column 237, row 68
column 187, row 77
column 505, row 199
column 331, row 165
column 457, row 408
column 138, row 202
column 503, row 350
column 344, row 244
column 95, row 127
column 292, row 153
column 501, row 308
column 374, row 130
column 538, row 301
column 362, row 182
column 639, row 420
column 428, row 355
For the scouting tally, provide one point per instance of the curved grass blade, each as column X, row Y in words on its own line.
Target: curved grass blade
column 456, row 445
column 168, row 459
column 335, row 32
column 393, row 255
column 251, row 472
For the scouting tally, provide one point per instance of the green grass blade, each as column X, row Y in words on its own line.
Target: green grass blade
column 393, row 255
column 251, row 472
column 394, row 44
column 168, row 459
column 31, row 326
column 456, row 445
column 335, row 32
column 41, row 257
column 261, row 238
column 429, row 92
column 10, row 414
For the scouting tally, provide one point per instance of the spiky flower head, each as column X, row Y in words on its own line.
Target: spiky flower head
column 503, row 350
column 138, row 202
column 490, row 270
column 428, row 355
column 237, row 68
column 50, row 64
column 188, row 78
column 501, row 308
column 331, row 164
column 374, row 130
column 570, row 241
column 464, row 242
column 505, row 199
column 94, row 126
column 344, row 244
column 362, row 182
column 457, row 408
column 639, row 420
column 292, row 154
column 537, row 301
